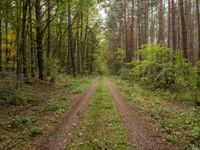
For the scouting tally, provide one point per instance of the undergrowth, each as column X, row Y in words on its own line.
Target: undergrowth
column 175, row 112
column 28, row 112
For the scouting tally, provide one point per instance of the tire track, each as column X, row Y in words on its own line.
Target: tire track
column 139, row 131
column 60, row 136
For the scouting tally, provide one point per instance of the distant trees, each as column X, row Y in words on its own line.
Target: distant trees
column 169, row 23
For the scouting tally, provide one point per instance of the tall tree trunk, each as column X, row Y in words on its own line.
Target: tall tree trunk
column 23, row 37
column 146, row 22
column 79, row 43
column 139, row 39
column 173, row 26
column 22, row 46
column 184, row 29
column 7, row 53
column 152, row 28
column 198, row 22
column 190, row 30
column 1, row 57
column 39, row 38
column 161, row 24
column 49, row 38
column 31, row 40
column 70, row 39
column 138, row 25
column 126, row 31
column 132, row 39
column 169, row 24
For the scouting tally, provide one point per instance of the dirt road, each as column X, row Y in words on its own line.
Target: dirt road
column 60, row 135
column 138, row 129
column 140, row 132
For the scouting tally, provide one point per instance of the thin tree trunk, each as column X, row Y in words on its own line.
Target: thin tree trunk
column 31, row 40
column 126, row 31
column 161, row 25
column 39, row 38
column 132, row 40
column 173, row 26
column 79, row 44
column 1, row 57
column 184, row 29
column 70, row 42
column 23, row 37
column 198, row 22
column 138, row 26
column 48, row 38
column 152, row 32
column 146, row 22
column 7, row 57
column 20, row 57
column 169, row 24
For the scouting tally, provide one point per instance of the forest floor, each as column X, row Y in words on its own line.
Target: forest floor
column 30, row 113
column 91, row 113
column 109, row 122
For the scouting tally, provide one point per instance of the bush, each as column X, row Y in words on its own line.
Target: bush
column 160, row 68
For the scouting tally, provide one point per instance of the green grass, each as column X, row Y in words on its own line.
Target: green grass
column 33, row 109
column 101, row 127
column 177, row 116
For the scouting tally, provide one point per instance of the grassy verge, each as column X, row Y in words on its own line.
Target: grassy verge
column 176, row 115
column 101, row 127
column 27, row 113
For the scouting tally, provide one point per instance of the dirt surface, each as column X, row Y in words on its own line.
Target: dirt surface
column 139, row 130
column 60, row 135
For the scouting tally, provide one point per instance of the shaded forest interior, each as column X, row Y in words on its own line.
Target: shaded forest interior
column 52, row 50
column 40, row 38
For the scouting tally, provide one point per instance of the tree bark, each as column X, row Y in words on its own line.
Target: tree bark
column 161, row 25
column 21, row 51
column 48, row 38
column 31, row 40
column 169, row 24
column 173, row 26
column 132, row 39
column 70, row 39
column 7, row 55
column 23, row 37
column 1, row 57
column 39, row 38
column 184, row 29
column 198, row 23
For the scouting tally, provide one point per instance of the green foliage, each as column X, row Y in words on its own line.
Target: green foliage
column 17, row 97
column 179, row 119
column 118, row 62
column 161, row 69
column 35, row 131
column 100, row 61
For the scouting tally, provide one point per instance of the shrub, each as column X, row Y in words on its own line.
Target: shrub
column 160, row 68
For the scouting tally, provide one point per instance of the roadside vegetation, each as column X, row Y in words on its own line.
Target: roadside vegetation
column 165, row 87
column 101, row 127
column 29, row 112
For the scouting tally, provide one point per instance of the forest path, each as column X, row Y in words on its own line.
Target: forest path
column 139, row 130
column 60, row 135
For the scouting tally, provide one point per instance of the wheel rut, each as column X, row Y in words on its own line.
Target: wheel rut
column 60, row 135
column 141, row 134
